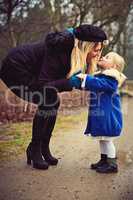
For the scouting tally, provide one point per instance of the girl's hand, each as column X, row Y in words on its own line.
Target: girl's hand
column 75, row 81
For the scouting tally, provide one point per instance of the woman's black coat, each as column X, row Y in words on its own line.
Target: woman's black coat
column 36, row 65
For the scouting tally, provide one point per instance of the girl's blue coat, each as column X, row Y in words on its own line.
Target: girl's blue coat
column 105, row 117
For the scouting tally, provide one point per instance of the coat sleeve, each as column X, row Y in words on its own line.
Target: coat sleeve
column 60, row 85
column 59, row 41
column 104, row 83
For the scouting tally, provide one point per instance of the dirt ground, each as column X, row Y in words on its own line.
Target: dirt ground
column 72, row 179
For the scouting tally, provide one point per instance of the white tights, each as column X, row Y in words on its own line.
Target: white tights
column 107, row 147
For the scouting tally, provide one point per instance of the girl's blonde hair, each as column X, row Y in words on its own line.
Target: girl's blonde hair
column 79, row 55
column 117, row 60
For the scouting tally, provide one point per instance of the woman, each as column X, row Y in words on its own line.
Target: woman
column 43, row 69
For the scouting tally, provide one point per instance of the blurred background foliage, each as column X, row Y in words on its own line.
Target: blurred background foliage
column 24, row 21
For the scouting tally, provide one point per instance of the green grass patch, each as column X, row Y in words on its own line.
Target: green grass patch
column 15, row 137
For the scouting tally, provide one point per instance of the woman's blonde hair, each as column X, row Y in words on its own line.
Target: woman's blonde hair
column 79, row 55
column 117, row 60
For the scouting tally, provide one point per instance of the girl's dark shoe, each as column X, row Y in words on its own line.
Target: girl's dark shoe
column 110, row 167
column 35, row 158
column 101, row 162
column 48, row 157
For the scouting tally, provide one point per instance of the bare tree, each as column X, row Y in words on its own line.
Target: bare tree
column 35, row 20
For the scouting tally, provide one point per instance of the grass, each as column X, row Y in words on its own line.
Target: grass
column 15, row 137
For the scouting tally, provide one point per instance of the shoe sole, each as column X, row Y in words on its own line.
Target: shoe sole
column 36, row 166
column 39, row 167
column 107, row 172
column 50, row 163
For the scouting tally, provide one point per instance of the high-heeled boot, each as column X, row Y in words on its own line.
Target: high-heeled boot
column 34, row 156
column 51, row 160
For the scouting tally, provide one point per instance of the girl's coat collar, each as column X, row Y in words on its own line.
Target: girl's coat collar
column 120, row 77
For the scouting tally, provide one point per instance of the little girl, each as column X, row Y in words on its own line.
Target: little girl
column 105, row 116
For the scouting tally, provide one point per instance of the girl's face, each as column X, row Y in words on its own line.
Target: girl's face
column 106, row 62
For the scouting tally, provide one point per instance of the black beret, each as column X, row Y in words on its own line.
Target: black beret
column 90, row 33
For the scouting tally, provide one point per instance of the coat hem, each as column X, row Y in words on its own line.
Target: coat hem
column 108, row 138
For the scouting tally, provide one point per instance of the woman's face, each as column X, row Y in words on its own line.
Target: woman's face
column 106, row 62
column 95, row 53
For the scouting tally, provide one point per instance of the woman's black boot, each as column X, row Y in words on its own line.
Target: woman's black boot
column 35, row 158
column 47, row 155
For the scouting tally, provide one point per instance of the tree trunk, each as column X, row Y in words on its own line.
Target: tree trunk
column 12, row 36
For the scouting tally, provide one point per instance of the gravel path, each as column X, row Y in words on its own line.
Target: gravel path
column 72, row 179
